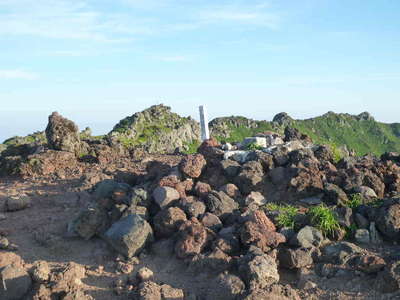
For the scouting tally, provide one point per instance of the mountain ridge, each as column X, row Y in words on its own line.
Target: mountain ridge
column 361, row 133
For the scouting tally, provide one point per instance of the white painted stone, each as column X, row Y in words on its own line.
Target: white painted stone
column 227, row 147
column 273, row 139
column 238, row 155
column 205, row 132
column 258, row 141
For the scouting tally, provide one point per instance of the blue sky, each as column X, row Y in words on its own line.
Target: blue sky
column 97, row 61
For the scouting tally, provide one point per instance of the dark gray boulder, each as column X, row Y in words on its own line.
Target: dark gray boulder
column 334, row 195
column 250, row 177
column 89, row 222
column 388, row 221
column 16, row 283
column 295, row 259
column 129, row 235
column 220, row 204
column 231, row 168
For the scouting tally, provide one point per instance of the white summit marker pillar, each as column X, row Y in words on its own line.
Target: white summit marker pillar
column 205, row 132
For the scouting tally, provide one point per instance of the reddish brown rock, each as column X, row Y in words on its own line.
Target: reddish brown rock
column 192, row 240
column 173, row 181
column 49, row 162
column 166, row 222
column 259, row 217
column 261, row 232
column 192, row 165
column 192, row 206
column 10, row 258
column 231, row 190
column 212, row 142
column 184, row 186
column 202, row 189
column 211, row 152
column 211, row 221
column 170, row 180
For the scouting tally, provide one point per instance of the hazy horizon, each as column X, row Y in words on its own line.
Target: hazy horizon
column 97, row 62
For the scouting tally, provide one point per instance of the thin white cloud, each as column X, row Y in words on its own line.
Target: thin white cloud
column 253, row 18
column 90, row 21
column 173, row 58
column 18, row 74
column 59, row 19
column 243, row 13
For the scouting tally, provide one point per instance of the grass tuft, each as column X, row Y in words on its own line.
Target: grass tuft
column 355, row 201
column 287, row 214
column 323, row 218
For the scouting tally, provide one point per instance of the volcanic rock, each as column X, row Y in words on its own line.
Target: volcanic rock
column 226, row 287
column 62, row 134
column 388, row 221
column 165, row 196
column 167, row 221
column 129, row 235
column 295, row 259
column 259, row 272
column 220, row 204
column 16, row 282
column 250, row 177
column 192, row 165
column 14, row 203
column 261, row 232
column 308, row 237
column 192, row 240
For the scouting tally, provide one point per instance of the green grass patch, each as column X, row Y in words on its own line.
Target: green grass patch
column 253, row 147
column 355, row 200
column 323, row 218
column 287, row 214
column 192, row 147
column 337, row 154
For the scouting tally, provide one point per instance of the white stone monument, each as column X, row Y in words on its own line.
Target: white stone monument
column 205, row 132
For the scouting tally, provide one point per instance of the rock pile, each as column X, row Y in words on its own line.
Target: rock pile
column 240, row 215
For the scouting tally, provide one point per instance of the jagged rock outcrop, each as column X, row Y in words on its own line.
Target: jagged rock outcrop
column 282, row 119
column 62, row 134
column 223, row 127
column 156, row 129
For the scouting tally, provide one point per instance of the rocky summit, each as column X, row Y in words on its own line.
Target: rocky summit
column 147, row 212
column 156, row 130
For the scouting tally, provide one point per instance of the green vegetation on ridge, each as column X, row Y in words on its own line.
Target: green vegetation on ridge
column 360, row 133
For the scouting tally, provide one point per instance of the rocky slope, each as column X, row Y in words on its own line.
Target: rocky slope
column 156, row 130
